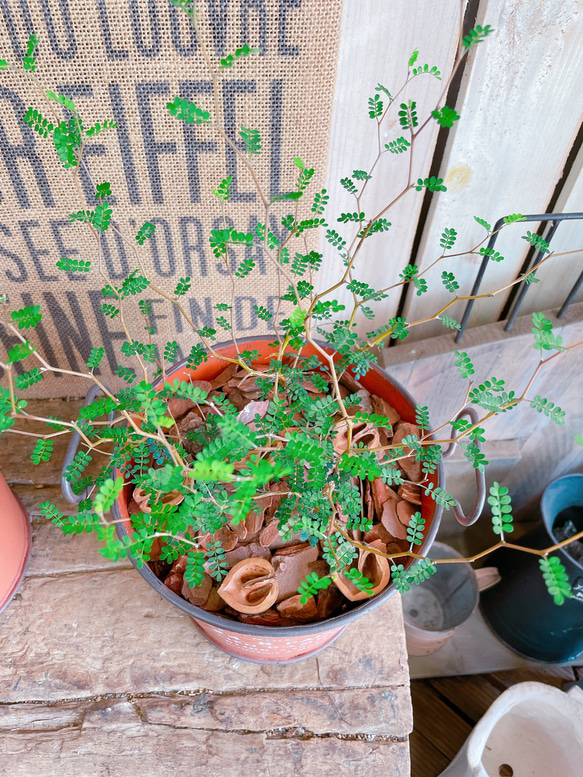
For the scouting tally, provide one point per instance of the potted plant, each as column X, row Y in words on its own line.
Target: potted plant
column 273, row 488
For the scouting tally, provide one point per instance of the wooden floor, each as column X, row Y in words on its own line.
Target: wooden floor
column 445, row 710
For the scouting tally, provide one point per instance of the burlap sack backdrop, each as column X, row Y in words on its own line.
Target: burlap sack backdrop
column 123, row 60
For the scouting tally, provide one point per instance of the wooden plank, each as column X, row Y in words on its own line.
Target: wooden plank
column 509, row 103
column 558, row 275
column 546, row 450
column 15, row 462
column 379, row 53
column 32, row 495
column 55, row 554
column 428, row 371
column 426, row 759
column 78, row 635
column 556, row 676
column 109, row 737
column 384, row 712
column 436, row 721
column 472, row 695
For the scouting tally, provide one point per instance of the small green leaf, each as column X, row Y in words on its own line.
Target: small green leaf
column 27, row 318
column 311, row 585
column 514, row 217
column 95, row 357
column 42, row 451
column 415, row 530
column 483, row 223
column 450, row 323
column 556, row 579
column 464, row 364
column 145, row 232
column 375, row 106
column 223, row 191
column 397, row 146
column 251, row 140
column 432, row 184
column 244, row 51
column 448, row 238
column 445, row 117
column 359, row 581
column 73, row 265
column 20, row 352
column 537, row 241
column 107, row 494
column 500, row 503
column 449, row 281
column 408, row 115
column 476, row 36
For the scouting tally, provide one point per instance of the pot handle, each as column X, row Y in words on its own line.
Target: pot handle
column 486, row 577
column 475, row 512
column 66, row 489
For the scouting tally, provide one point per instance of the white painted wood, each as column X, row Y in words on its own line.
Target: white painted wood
column 520, row 111
column 559, row 274
column 376, row 42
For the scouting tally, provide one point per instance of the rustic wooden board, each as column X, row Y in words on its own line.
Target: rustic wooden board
column 428, row 371
column 88, row 633
column 54, row 554
column 369, row 54
column 471, row 695
column 32, row 495
column 110, row 737
column 15, row 461
column 557, row 676
column 376, row 711
column 440, row 724
column 426, row 759
column 508, row 151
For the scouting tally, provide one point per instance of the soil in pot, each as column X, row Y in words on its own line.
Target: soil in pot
column 266, row 566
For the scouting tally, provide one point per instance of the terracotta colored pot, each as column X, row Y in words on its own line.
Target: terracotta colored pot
column 15, row 544
column 266, row 644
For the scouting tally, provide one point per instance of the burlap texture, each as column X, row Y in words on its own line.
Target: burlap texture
column 124, row 60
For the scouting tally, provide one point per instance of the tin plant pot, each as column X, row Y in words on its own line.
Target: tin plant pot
column 266, row 644
column 15, row 545
column 519, row 609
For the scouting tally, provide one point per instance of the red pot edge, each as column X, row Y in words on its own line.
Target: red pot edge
column 8, row 594
column 400, row 399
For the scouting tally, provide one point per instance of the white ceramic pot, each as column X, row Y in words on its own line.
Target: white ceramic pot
column 531, row 730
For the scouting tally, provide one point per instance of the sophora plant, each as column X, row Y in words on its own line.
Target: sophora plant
column 294, row 446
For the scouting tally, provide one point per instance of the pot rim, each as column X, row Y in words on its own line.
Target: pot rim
column 549, row 516
column 279, row 631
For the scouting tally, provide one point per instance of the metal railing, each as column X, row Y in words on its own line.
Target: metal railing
column 553, row 219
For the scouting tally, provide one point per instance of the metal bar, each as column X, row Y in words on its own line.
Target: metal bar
column 523, row 287
column 556, row 218
column 476, row 287
column 571, row 296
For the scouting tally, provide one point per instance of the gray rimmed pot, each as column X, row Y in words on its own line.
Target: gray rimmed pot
column 264, row 644
column 519, row 610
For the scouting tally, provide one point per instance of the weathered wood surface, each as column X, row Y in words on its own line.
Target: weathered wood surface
column 101, row 676
column 508, row 151
column 558, row 275
column 370, row 53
